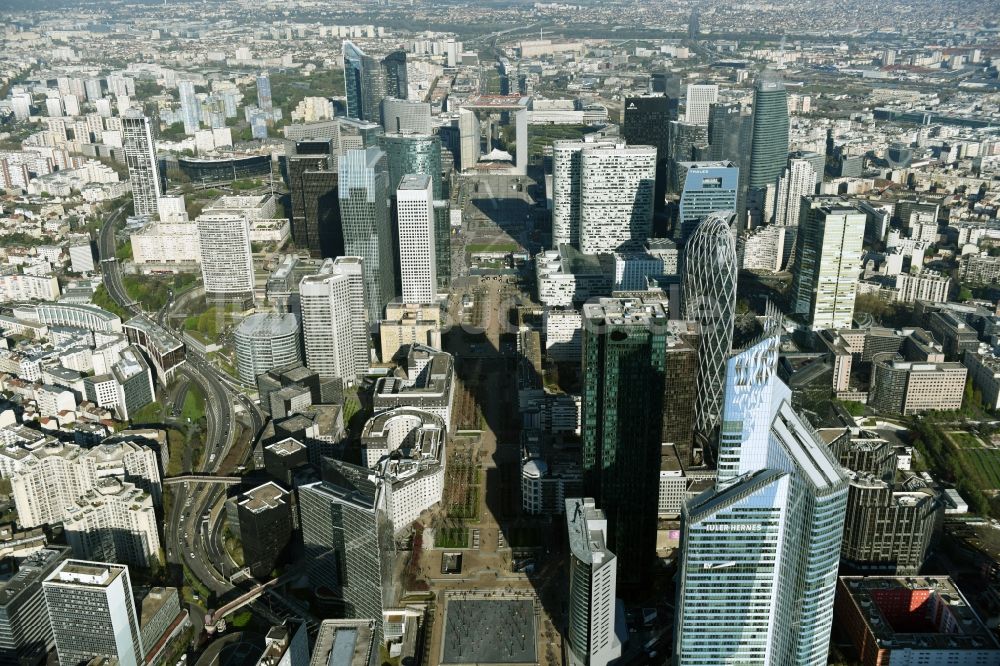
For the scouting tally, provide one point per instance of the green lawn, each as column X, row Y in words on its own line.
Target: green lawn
column 504, row 246
column 984, row 465
column 151, row 413
column 965, row 440
column 194, row 404
column 451, row 537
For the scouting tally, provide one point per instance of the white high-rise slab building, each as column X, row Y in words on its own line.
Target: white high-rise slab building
column 93, row 613
column 140, row 157
column 700, row 97
column 798, row 180
column 335, row 319
column 616, row 197
column 566, row 189
column 828, row 261
column 415, row 212
column 226, row 257
column 592, row 585
column 190, row 111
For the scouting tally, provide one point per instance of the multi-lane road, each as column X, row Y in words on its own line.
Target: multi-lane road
column 193, row 531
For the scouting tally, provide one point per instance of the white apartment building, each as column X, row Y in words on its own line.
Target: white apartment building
column 700, row 96
column 25, row 287
column 563, row 334
column 114, row 521
column 335, row 321
column 226, row 257
column 415, row 212
column 140, row 157
column 166, row 244
column 47, row 477
column 797, row 181
column 763, row 249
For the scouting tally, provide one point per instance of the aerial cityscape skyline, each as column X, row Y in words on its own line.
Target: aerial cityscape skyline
column 638, row 332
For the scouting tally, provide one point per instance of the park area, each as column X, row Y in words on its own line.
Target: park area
column 979, row 459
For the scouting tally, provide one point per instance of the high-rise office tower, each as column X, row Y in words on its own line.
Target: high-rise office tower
column 669, row 85
column 348, row 540
column 708, row 187
column 708, row 280
column 592, row 575
column 312, row 183
column 730, row 132
column 264, row 92
column 364, row 83
column 265, row 518
column 624, row 361
column 226, row 258
column 769, row 149
column 335, row 319
column 93, row 613
column 760, row 552
column 688, row 143
column 25, row 629
column 412, row 153
column 190, row 111
column 700, row 96
column 415, row 211
column 406, row 116
column 442, row 244
column 566, row 193
column 364, row 212
column 368, row 81
column 140, row 157
column 470, row 138
column 616, row 197
column 646, row 122
column 797, row 181
column 828, row 261
column 394, row 72
column 264, row 341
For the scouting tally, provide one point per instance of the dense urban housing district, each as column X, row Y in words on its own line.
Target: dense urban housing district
column 499, row 333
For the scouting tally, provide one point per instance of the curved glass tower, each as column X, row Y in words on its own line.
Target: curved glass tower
column 412, row 153
column 769, row 150
column 709, row 283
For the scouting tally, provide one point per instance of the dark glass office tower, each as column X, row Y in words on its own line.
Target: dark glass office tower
column 624, row 363
column 769, row 150
column 394, row 73
column 647, row 123
column 669, row 85
column 312, row 182
column 442, row 243
column 688, row 143
column 347, row 537
column 730, row 136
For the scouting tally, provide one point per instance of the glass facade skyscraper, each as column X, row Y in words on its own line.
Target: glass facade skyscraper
column 708, row 187
column 264, row 92
column 412, row 153
column 624, row 362
column 646, row 122
column 769, row 149
column 312, row 182
column 760, row 552
column 348, row 541
column 367, row 81
column 364, row 213
column 708, row 282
